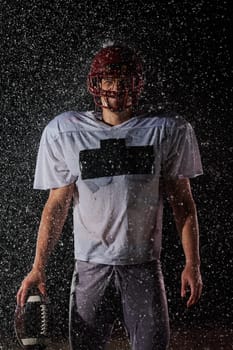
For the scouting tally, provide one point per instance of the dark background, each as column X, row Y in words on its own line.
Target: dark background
column 46, row 50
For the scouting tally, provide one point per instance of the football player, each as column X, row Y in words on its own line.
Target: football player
column 115, row 164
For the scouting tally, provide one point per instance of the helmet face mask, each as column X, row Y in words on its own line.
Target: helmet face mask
column 116, row 73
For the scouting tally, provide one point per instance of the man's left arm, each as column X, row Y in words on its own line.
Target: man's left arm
column 185, row 215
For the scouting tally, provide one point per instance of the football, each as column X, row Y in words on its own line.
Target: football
column 31, row 322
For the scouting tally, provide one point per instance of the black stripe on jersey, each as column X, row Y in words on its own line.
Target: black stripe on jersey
column 114, row 158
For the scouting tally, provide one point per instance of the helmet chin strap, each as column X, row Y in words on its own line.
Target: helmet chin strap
column 105, row 104
column 120, row 107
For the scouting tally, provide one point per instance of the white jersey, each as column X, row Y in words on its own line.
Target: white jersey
column 117, row 171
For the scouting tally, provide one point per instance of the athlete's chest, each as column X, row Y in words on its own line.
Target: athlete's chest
column 113, row 152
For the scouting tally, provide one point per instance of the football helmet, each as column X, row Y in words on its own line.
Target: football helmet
column 116, row 63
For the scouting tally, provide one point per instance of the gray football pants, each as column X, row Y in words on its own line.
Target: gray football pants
column 102, row 293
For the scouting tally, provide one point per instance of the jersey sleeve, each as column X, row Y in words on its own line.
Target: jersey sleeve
column 182, row 156
column 51, row 168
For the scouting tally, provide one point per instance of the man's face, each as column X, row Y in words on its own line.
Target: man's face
column 117, row 92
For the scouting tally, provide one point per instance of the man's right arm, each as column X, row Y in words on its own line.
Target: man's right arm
column 52, row 220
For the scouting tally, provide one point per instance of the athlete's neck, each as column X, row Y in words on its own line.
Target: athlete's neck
column 115, row 118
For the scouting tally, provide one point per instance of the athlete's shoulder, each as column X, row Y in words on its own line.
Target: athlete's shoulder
column 176, row 126
column 174, row 121
column 165, row 119
column 68, row 122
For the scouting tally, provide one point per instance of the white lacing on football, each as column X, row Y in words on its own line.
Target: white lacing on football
column 44, row 319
